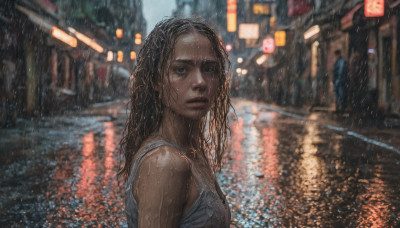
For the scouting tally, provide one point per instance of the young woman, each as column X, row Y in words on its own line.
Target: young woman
column 177, row 130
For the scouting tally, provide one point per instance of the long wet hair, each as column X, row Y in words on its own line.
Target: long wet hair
column 146, row 107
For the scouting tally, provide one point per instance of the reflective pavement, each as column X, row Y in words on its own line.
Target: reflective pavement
column 281, row 171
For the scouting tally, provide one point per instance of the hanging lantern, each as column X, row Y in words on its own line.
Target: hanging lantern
column 119, row 33
column 133, row 55
column 110, row 56
column 374, row 8
column 138, row 38
column 120, row 56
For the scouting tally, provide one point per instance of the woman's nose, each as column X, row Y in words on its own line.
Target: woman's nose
column 199, row 81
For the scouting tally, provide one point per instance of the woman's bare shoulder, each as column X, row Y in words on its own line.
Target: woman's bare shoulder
column 166, row 157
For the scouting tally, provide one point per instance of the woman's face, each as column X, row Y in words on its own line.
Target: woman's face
column 190, row 85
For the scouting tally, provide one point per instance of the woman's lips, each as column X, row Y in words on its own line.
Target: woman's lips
column 198, row 102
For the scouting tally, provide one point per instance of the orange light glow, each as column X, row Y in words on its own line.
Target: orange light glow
column 89, row 42
column 231, row 15
column 63, row 36
column 138, row 39
column 272, row 22
column 133, row 55
column 280, row 38
column 110, row 56
column 119, row 33
column 120, row 56
column 374, row 8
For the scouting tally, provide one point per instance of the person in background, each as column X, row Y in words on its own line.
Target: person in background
column 177, row 130
column 372, row 94
column 340, row 81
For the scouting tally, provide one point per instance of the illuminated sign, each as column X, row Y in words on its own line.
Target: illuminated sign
column 89, row 42
column 249, row 31
column 374, row 8
column 261, row 8
column 280, row 38
column 63, row 36
column 268, row 45
column 314, row 30
column 231, row 15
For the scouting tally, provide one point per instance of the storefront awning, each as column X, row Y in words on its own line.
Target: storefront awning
column 347, row 21
column 43, row 24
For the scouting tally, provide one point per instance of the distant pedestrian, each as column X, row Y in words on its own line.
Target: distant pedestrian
column 372, row 94
column 340, row 81
column 177, row 130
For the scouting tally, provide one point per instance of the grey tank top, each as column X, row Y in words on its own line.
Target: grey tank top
column 209, row 210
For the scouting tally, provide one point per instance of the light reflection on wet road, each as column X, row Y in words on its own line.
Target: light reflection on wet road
column 288, row 172
column 280, row 171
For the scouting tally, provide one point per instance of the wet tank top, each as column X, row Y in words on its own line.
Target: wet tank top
column 209, row 210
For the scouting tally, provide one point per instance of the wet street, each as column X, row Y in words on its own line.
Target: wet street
column 282, row 171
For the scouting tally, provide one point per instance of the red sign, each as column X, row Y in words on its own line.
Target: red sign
column 374, row 8
column 268, row 45
column 299, row 7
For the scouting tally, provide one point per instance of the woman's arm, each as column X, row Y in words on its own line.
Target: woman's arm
column 161, row 187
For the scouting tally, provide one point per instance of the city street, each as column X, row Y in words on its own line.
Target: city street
column 283, row 170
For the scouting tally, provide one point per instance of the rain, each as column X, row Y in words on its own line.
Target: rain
column 314, row 123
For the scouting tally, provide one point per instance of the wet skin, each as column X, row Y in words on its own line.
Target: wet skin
column 167, row 193
column 192, row 80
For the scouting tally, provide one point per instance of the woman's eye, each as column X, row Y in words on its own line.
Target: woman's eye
column 209, row 69
column 180, row 70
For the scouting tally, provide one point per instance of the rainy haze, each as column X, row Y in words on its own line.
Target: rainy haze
column 314, row 124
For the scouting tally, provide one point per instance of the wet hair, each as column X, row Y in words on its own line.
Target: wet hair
column 146, row 107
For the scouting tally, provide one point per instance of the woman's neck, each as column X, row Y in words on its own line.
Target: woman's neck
column 178, row 130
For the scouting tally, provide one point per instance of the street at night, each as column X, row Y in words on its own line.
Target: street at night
column 284, row 169
column 114, row 113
